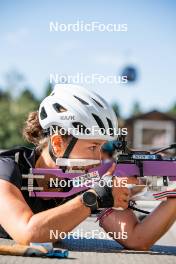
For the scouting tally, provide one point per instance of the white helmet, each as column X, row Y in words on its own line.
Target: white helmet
column 71, row 106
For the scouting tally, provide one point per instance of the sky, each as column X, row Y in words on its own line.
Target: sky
column 28, row 46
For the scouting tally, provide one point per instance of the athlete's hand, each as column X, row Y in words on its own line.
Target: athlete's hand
column 121, row 194
column 120, row 191
column 139, row 185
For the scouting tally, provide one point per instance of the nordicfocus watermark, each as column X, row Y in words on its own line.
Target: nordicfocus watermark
column 81, row 78
column 87, row 180
column 82, row 26
column 86, row 131
column 93, row 234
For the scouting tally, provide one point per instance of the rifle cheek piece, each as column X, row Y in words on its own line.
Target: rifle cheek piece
column 103, row 188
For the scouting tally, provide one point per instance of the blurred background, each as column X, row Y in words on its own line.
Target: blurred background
column 145, row 53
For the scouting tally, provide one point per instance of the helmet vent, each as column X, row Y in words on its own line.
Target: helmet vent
column 110, row 126
column 98, row 103
column 99, row 122
column 81, row 128
column 81, row 100
column 59, row 108
column 43, row 113
column 53, row 93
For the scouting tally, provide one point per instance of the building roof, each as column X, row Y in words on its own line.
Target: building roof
column 154, row 114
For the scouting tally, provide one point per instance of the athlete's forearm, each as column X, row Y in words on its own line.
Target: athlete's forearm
column 59, row 219
column 142, row 235
column 159, row 222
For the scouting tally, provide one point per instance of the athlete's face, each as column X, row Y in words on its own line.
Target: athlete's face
column 87, row 149
column 83, row 149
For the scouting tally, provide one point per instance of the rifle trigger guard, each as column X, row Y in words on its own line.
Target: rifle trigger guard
column 165, row 181
column 140, row 166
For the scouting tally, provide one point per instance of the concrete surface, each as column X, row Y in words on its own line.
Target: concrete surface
column 103, row 250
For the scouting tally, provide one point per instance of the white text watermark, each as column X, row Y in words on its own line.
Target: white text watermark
column 82, row 26
column 86, row 131
column 93, row 234
column 92, row 78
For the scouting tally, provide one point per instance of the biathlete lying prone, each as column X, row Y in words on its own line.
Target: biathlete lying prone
column 30, row 219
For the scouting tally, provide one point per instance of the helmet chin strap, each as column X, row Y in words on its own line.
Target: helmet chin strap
column 64, row 161
column 67, row 151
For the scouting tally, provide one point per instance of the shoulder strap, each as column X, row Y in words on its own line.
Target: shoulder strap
column 24, row 156
column 12, row 151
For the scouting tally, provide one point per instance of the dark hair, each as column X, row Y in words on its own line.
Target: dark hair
column 32, row 131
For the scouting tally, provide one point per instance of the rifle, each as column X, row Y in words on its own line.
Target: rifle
column 158, row 174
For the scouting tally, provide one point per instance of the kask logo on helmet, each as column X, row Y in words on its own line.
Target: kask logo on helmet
column 66, row 117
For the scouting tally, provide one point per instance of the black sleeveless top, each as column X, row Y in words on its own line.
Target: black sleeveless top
column 11, row 170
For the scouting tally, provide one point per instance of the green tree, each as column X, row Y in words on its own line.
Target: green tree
column 136, row 109
column 5, row 123
column 14, row 109
column 20, row 108
column 15, row 82
column 172, row 110
column 48, row 89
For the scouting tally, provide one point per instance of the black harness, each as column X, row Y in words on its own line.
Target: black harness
column 25, row 157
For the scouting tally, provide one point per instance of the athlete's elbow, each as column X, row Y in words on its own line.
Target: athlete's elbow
column 27, row 236
column 143, row 247
column 138, row 245
column 24, row 239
